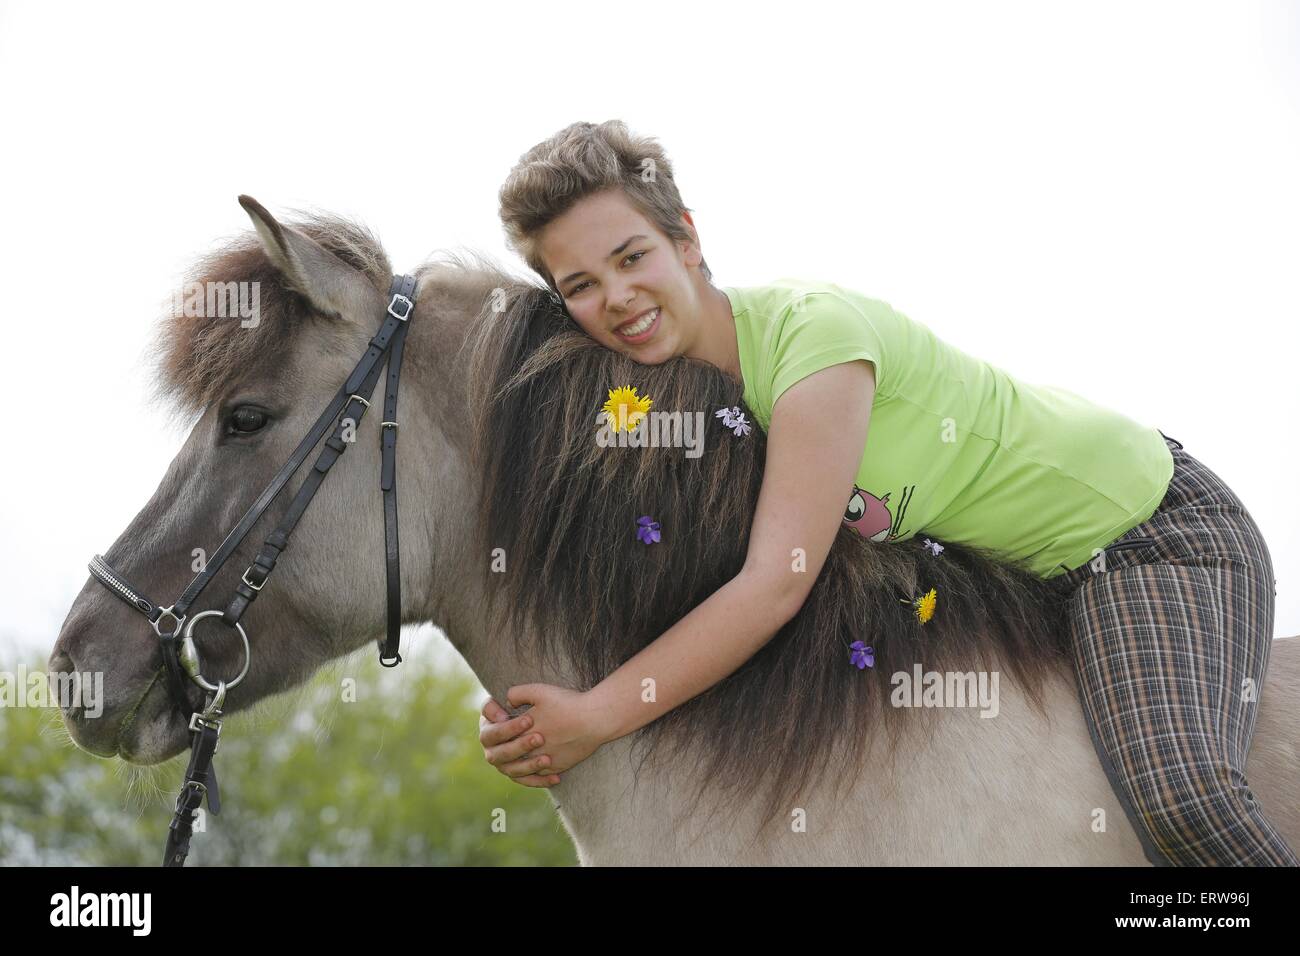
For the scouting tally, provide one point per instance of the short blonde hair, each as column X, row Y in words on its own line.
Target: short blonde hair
column 580, row 160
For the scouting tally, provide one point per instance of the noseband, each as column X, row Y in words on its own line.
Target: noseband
column 179, row 652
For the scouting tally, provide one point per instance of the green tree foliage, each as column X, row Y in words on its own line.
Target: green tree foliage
column 364, row 765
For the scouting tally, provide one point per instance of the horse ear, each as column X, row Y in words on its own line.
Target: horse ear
column 332, row 286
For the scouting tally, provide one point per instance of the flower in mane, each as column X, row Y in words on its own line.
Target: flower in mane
column 625, row 408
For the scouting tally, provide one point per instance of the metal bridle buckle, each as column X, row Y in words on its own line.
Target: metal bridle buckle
column 255, row 587
column 398, row 297
column 189, row 655
column 180, row 622
column 198, row 785
column 191, row 786
column 210, row 716
column 203, row 720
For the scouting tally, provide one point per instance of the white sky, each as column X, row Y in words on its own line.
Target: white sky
column 1101, row 196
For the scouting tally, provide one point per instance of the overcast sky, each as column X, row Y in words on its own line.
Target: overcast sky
column 1100, row 196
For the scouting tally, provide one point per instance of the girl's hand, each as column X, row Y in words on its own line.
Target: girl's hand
column 506, row 743
column 571, row 722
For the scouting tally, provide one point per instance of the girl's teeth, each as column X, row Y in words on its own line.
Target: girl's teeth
column 638, row 327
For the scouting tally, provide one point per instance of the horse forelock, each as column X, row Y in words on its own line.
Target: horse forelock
column 199, row 358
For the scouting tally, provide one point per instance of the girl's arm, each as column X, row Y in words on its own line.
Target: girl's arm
column 815, row 443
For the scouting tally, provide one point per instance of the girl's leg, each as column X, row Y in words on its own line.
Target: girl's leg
column 1171, row 643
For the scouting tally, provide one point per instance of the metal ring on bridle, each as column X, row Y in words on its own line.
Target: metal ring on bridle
column 189, row 654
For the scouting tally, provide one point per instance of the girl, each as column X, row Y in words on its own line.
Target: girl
column 1171, row 581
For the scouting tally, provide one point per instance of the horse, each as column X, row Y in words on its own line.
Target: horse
column 517, row 541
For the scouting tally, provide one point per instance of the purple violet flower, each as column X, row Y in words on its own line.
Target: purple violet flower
column 648, row 530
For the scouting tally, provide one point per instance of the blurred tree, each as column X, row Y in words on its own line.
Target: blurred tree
column 363, row 765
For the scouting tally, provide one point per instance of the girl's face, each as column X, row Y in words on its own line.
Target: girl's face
column 630, row 287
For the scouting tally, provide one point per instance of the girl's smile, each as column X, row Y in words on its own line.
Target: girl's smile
column 639, row 329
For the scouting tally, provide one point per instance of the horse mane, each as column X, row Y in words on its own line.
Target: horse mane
column 589, row 594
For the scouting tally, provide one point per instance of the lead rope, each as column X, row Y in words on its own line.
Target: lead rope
column 200, row 781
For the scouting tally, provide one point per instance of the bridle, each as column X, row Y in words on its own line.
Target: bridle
column 179, row 653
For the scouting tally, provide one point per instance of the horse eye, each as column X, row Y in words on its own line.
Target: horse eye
column 246, row 419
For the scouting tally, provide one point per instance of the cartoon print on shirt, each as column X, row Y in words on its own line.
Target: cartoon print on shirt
column 870, row 517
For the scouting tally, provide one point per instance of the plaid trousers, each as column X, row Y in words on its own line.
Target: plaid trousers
column 1171, row 628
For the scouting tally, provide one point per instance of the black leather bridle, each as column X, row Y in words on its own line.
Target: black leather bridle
column 179, row 653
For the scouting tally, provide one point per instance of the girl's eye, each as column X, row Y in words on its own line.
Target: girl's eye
column 245, row 420
column 635, row 256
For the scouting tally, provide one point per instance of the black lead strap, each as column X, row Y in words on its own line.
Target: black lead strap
column 346, row 410
column 200, row 782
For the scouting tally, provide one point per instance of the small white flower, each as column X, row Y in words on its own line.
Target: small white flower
column 739, row 426
column 729, row 415
column 934, row 546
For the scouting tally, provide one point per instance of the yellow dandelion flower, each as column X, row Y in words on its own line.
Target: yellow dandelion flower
column 925, row 605
column 625, row 408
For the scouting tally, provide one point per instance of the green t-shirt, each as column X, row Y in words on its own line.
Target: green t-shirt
column 957, row 449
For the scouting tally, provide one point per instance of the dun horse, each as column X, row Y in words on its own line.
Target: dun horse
column 518, row 541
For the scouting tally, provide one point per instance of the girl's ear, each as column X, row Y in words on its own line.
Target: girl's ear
column 690, row 248
column 691, row 253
